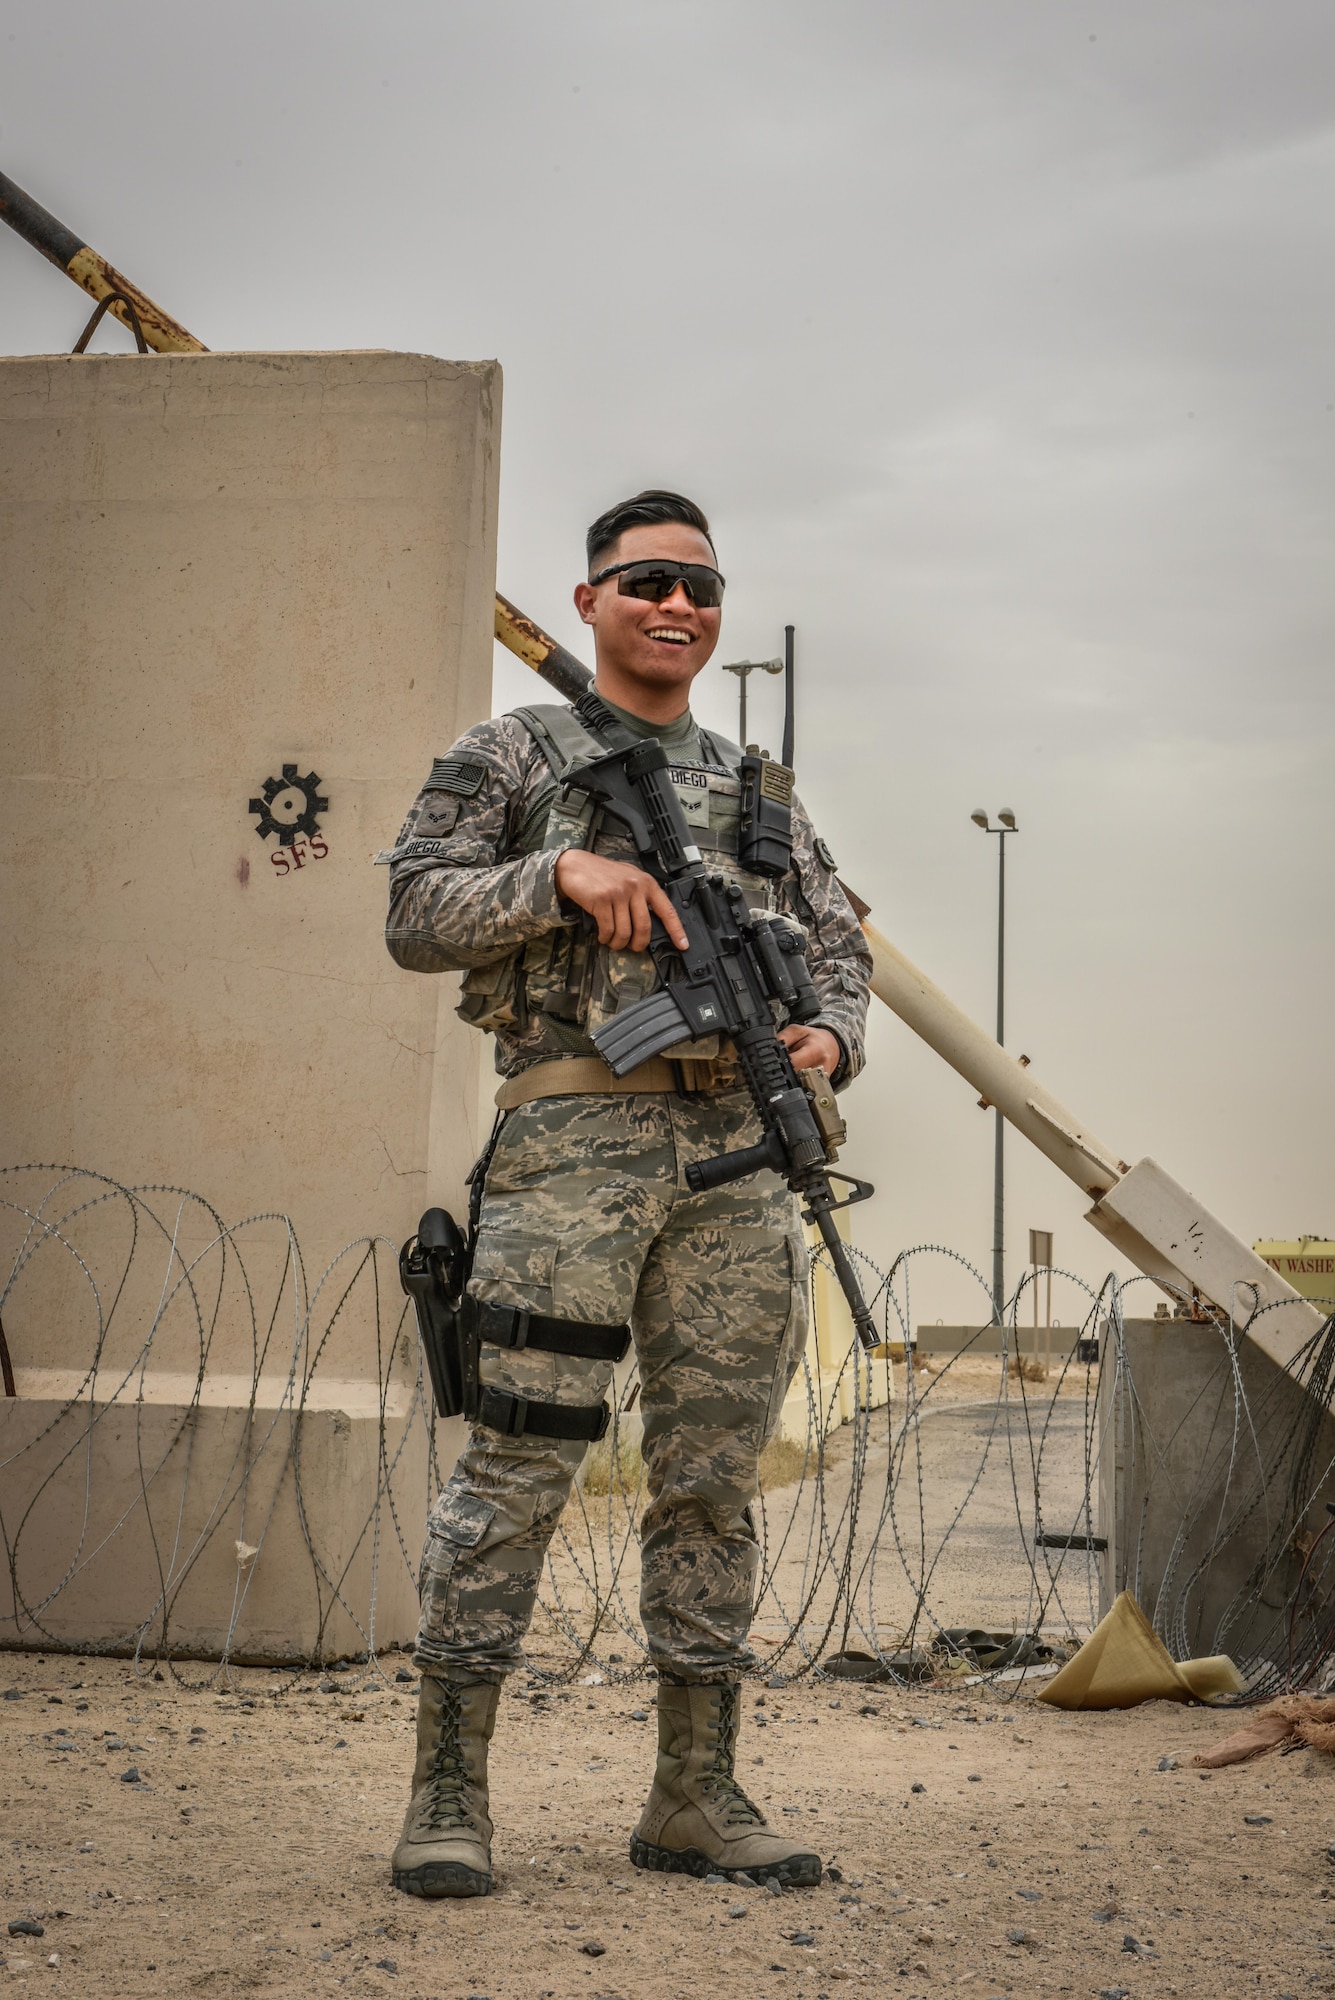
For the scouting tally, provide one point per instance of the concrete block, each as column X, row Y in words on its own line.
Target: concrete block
column 222, row 570
column 211, row 1528
column 1056, row 1343
column 1214, row 1469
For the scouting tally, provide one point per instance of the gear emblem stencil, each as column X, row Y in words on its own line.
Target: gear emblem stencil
column 289, row 806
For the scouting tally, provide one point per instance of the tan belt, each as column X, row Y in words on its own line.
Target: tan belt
column 589, row 1076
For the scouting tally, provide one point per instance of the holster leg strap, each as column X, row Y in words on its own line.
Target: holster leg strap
column 512, row 1327
column 518, row 1416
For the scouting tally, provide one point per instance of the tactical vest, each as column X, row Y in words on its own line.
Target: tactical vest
column 566, row 977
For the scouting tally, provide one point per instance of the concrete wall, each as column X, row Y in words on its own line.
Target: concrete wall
column 215, row 1528
column 1199, row 1445
column 1052, row 1345
column 217, row 566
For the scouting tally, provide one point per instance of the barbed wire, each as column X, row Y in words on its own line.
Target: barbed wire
column 899, row 1548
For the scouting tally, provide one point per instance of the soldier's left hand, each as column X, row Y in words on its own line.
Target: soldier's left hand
column 812, row 1048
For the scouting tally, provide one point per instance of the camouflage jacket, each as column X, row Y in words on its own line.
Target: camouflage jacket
column 473, row 888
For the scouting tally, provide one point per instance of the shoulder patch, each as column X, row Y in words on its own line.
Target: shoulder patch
column 823, row 854
column 456, row 774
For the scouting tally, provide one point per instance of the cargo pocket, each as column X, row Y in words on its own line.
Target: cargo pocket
column 457, row 1525
column 513, row 1268
column 554, row 973
column 490, row 997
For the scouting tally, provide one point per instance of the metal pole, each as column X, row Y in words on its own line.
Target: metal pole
column 101, row 281
column 1047, row 1320
column 999, row 1172
column 743, row 670
column 788, row 696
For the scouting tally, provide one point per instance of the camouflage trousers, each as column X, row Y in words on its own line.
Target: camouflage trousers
column 587, row 1216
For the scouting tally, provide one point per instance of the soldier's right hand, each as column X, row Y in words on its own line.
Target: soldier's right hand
column 621, row 899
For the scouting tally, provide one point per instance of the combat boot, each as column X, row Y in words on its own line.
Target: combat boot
column 445, row 1846
column 698, row 1820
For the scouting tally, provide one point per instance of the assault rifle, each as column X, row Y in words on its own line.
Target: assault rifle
column 736, row 964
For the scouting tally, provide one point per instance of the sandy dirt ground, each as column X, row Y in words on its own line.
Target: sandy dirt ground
column 978, row 1843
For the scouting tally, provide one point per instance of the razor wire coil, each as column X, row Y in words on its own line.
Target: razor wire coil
column 855, row 1530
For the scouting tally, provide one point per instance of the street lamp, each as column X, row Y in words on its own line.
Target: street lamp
column 743, row 670
column 1007, row 818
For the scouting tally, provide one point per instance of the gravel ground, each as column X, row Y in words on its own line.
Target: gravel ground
column 993, row 1846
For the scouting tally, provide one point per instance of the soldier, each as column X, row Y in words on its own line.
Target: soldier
column 587, row 1227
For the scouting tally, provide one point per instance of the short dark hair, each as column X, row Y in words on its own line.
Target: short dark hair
column 653, row 505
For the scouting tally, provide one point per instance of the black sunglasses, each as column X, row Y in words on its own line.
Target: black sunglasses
column 654, row 579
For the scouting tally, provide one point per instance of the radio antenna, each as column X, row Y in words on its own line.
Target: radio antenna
column 788, row 696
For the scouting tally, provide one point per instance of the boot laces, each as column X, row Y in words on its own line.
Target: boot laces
column 719, row 1777
column 447, row 1774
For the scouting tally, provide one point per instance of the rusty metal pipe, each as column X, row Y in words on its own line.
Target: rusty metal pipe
column 537, row 649
column 102, row 281
column 1003, row 1081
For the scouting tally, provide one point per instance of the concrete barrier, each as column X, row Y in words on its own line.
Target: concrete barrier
column 1214, row 1469
column 248, row 599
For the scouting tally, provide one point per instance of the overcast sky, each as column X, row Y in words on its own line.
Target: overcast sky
column 996, row 338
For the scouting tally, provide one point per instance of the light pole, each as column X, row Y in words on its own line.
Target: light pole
column 1007, row 818
column 743, row 670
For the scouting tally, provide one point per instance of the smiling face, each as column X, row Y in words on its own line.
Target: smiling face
column 648, row 654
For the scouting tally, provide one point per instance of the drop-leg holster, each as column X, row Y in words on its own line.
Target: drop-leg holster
column 698, row 1820
column 445, row 1846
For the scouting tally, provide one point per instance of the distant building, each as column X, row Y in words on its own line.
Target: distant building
column 1308, row 1265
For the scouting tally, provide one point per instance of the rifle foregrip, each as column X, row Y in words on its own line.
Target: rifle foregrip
column 702, row 1175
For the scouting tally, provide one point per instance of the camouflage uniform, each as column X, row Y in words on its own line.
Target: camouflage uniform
column 587, row 1215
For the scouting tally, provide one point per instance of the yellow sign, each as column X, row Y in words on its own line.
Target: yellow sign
column 1308, row 1265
